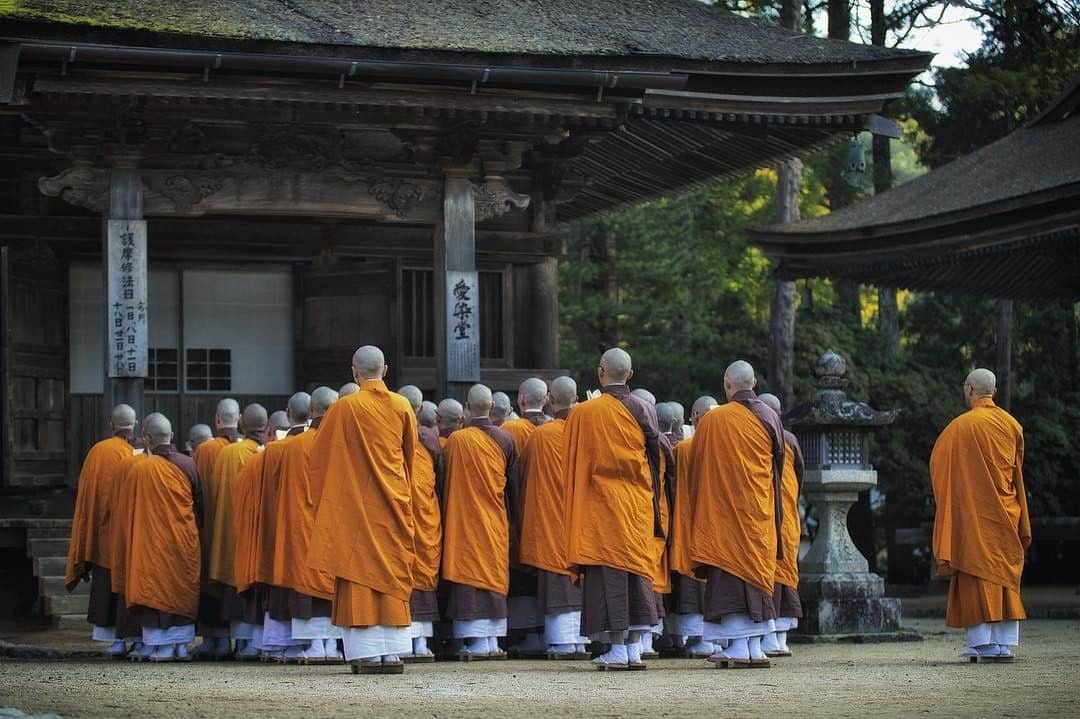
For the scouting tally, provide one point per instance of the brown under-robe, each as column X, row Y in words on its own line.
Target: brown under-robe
column 556, row 594
column 786, row 601
column 613, row 600
column 727, row 594
column 101, row 610
column 465, row 603
column 424, row 606
column 687, row 595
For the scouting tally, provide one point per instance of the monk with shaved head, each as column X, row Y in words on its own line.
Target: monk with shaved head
column 501, row 409
column 738, row 461
column 361, row 471
column 299, row 597
column 685, row 620
column 197, row 434
column 427, row 484
column 613, row 494
column 786, row 588
column 981, row 525
column 451, row 416
column 428, row 416
column 242, row 612
column 478, row 498
column 160, row 508
column 89, row 550
column 347, row 389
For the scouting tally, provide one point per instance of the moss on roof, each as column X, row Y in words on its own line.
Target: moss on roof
column 685, row 29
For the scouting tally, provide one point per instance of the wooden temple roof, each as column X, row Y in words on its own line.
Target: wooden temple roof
column 1002, row 221
column 614, row 102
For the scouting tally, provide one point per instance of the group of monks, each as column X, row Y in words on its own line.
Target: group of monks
column 363, row 523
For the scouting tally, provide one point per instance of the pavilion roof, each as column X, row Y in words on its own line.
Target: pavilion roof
column 640, row 30
column 1003, row 221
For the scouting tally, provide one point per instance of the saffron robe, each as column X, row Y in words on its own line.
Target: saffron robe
column 205, row 458
column 787, row 569
column 90, row 543
column 295, row 521
column 227, row 467
column 361, row 470
column 162, row 561
column 119, row 534
column 480, row 492
column 738, row 464
column 679, row 550
column 247, row 506
column 523, row 427
column 612, row 470
column 662, row 558
column 981, row 524
column 427, row 514
column 543, row 515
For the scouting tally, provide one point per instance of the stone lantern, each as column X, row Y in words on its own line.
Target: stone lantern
column 839, row 593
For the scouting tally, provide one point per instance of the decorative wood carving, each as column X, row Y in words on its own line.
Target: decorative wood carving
column 184, row 192
column 80, row 185
column 398, row 195
column 494, row 198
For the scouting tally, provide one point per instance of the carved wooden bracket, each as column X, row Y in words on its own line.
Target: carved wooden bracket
column 80, row 185
column 494, row 198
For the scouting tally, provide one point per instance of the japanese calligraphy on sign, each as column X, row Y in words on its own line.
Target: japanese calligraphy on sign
column 462, row 327
column 126, row 296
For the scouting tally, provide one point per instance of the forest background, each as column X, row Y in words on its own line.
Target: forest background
column 679, row 285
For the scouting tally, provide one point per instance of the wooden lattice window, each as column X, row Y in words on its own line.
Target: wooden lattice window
column 208, row 370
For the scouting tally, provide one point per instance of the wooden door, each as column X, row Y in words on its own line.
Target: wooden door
column 345, row 305
column 33, row 315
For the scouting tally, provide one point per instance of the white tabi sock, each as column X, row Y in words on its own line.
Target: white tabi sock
column 493, row 645
column 419, row 647
column 645, row 642
column 1006, row 633
column 315, row 650
column 116, row 649
column 182, row 651
column 634, row 651
column 738, row 649
column 164, row 651
column 333, row 649
column 476, row 645
column 702, row 648
column 561, row 648
column 754, row 645
column 391, row 659
column 770, row 643
column 781, row 638
column 616, row 655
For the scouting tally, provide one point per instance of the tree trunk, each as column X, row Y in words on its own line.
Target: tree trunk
column 888, row 311
column 781, row 365
column 1004, row 354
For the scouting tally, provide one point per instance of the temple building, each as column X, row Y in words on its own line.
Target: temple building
column 229, row 202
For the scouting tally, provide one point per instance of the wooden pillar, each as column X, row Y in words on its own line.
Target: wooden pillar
column 1004, row 354
column 544, row 291
column 124, row 258
column 457, row 306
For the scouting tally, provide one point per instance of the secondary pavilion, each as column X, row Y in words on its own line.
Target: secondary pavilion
column 199, row 202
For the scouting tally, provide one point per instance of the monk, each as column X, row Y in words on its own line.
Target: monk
column 198, row 434
column 737, row 461
column 89, row 555
column 611, row 456
column 279, row 425
column 479, row 495
column 347, row 389
column 299, row 596
column 450, row 415
column 670, row 415
column 427, row 483
column 428, row 416
column 786, row 587
column 361, row 469
column 532, row 396
column 211, row 626
column 543, row 528
column 981, row 524
column 257, row 527
column 242, row 613
column 162, row 511
column 685, row 620
column 501, row 409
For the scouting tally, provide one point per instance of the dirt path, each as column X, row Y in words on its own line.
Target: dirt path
column 835, row 680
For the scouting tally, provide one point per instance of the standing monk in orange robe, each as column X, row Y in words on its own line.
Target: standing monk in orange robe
column 981, row 526
column 612, row 466
column 479, row 495
column 307, row 592
column 427, row 482
column 197, row 435
column 361, row 469
column 543, row 528
column 525, row 620
column 242, row 612
column 89, row 555
column 450, row 416
column 786, row 588
column 738, row 463
column 162, row 513
column 211, row 627
column 685, row 620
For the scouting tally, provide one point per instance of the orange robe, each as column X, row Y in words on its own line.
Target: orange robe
column 679, row 551
column 521, row 429
column 246, row 502
column 611, row 499
column 787, row 569
column 119, row 523
column 476, row 525
column 205, row 457
column 661, row 573
column 230, row 461
column 90, row 543
column 543, row 520
column 265, row 562
column 427, row 521
column 734, row 503
column 162, row 559
column 295, row 520
column 981, row 526
column 361, row 469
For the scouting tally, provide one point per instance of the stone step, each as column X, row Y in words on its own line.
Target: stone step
column 55, row 586
column 48, row 533
column 51, row 547
column 57, row 604
column 71, row 621
column 49, row 566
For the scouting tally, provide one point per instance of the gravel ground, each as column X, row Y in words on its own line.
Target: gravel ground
column 835, row 680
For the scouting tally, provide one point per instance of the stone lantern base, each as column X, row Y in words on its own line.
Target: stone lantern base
column 847, row 603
